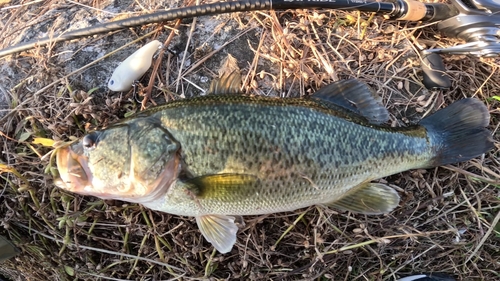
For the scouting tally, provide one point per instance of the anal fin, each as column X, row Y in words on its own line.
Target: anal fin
column 369, row 199
column 220, row 230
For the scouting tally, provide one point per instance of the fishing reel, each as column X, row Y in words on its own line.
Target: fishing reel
column 477, row 23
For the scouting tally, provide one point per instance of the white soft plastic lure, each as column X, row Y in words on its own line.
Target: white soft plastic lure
column 133, row 67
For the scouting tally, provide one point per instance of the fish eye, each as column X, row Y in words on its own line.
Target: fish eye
column 90, row 140
column 111, row 82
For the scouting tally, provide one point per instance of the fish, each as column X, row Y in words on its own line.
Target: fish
column 220, row 157
column 133, row 67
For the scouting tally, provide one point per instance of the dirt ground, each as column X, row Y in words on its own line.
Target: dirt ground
column 447, row 220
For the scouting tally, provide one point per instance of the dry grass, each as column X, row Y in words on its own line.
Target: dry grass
column 447, row 222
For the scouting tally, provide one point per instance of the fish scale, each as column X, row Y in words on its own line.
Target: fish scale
column 280, row 142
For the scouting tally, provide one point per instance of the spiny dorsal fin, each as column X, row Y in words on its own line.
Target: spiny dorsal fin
column 229, row 81
column 226, row 85
column 356, row 97
column 369, row 199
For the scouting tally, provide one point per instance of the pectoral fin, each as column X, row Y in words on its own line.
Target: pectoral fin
column 220, row 230
column 224, row 187
column 368, row 198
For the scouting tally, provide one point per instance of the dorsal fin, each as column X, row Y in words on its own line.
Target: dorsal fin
column 356, row 97
column 229, row 81
column 228, row 84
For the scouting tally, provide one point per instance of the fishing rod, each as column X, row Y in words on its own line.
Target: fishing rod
column 477, row 22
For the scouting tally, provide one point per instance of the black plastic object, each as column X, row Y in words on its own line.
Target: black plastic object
column 434, row 72
column 7, row 249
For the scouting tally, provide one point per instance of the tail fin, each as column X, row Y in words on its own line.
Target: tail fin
column 458, row 131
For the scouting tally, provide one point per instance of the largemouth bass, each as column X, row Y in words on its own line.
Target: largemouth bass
column 217, row 157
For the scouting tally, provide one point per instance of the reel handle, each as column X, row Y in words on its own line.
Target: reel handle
column 434, row 71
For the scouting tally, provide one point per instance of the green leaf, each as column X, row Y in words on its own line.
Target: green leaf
column 92, row 90
column 24, row 136
column 69, row 270
column 62, row 222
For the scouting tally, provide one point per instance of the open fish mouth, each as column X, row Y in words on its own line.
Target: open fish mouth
column 74, row 169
